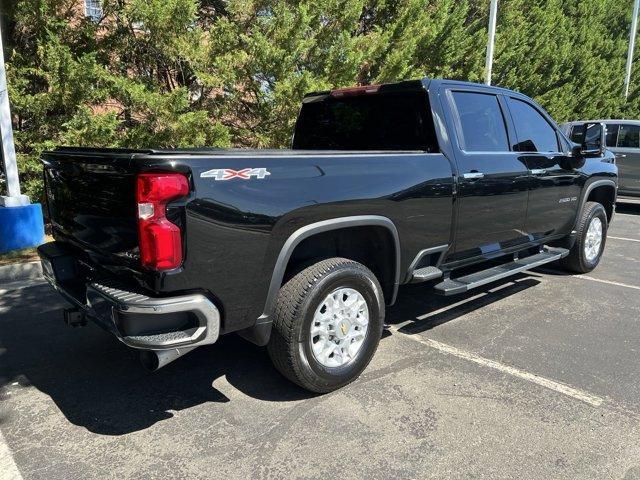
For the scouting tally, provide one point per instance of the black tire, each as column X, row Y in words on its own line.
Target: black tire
column 576, row 261
column 290, row 346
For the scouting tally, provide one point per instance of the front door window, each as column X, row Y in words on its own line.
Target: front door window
column 532, row 129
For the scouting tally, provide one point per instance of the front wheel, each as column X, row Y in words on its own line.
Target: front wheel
column 591, row 236
column 327, row 324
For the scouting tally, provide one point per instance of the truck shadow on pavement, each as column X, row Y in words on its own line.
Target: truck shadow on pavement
column 97, row 382
column 418, row 309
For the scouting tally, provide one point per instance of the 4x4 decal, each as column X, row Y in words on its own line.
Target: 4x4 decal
column 228, row 174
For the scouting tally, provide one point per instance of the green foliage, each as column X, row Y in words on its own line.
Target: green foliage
column 176, row 73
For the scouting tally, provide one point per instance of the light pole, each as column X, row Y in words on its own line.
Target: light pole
column 13, row 198
column 493, row 14
column 632, row 42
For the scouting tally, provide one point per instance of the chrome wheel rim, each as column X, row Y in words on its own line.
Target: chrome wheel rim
column 339, row 327
column 593, row 240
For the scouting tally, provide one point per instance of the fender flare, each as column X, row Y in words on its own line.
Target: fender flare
column 319, row 227
column 587, row 190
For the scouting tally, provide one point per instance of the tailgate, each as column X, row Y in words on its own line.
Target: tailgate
column 91, row 200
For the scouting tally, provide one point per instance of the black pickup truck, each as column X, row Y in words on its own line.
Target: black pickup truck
column 449, row 183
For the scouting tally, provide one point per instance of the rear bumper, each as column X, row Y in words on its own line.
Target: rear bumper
column 137, row 319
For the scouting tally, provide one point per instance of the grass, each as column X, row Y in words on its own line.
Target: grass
column 21, row 256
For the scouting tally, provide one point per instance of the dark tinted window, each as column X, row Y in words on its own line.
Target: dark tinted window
column 483, row 128
column 612, row 134
column 629, row 136
column 534, row 133
column 382, row 121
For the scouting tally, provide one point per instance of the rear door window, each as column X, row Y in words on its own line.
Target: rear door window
column 481, row 122
column 534, row 132
column 629, row 136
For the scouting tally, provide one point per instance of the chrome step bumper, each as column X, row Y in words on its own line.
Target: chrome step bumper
column 107, row 301
column 136, row 319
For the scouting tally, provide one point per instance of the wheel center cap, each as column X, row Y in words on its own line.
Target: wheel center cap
column 343, row 328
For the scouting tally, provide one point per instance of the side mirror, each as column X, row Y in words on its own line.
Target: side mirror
column 593, row 140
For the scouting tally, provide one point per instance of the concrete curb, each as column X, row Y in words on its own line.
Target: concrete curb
column 20, row 271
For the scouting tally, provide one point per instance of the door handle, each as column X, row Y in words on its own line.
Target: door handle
column 538, row 171
column 472, row 175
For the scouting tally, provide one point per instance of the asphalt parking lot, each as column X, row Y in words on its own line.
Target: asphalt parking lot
column 538, row 377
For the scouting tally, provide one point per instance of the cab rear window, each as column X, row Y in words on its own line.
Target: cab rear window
column 380, row 121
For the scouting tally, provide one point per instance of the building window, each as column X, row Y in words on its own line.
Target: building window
column 93, row 10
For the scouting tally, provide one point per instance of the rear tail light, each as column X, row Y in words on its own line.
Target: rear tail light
column 160, row 239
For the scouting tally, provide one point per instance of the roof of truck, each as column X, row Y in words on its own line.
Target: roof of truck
column 404, row 86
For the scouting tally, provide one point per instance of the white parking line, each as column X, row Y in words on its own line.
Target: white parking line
column 586, row 277
column 626, row 285
column 451, row 306
column 8, row 468
column 624, row 238
column 581, row 395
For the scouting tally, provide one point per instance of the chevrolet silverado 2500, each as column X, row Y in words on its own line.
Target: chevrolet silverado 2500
column 453, row 184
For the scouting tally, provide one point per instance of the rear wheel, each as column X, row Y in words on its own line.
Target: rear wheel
column 591, row 236
column 327, row 324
